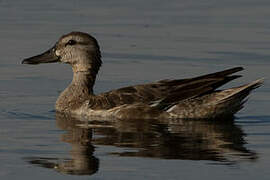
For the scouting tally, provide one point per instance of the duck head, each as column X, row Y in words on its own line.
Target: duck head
column 78, row 49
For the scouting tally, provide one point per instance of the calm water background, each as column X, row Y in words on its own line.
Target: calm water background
column 141, row 41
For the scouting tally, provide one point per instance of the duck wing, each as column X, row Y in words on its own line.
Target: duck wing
column 165, row 92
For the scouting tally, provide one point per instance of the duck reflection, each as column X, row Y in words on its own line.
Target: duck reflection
column 180, row 139
column 82, row 161
column 221, row 142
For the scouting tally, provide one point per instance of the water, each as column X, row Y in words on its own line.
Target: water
column 141, row 42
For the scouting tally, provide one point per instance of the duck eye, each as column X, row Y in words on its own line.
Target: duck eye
column 71, row 42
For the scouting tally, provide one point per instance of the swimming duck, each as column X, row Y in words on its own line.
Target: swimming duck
column 191, row 98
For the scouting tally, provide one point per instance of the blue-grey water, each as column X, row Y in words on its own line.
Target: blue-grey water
column 141, row 41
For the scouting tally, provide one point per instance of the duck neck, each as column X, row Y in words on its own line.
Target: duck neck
column 84, row 73
column 84, row 80
column 79, row 90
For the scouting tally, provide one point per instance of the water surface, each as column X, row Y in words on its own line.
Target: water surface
column 141, row 41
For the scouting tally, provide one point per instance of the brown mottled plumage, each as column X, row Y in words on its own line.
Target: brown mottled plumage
column 185, row 98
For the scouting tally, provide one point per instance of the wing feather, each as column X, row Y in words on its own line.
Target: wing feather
column 167, row 92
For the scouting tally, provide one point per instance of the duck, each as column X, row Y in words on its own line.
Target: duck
column 190, row 98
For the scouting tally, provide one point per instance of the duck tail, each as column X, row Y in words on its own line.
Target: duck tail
column 232, row 100
column 239, row 93
column 218, row 105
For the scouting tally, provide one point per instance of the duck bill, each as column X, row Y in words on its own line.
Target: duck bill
column 46, row 57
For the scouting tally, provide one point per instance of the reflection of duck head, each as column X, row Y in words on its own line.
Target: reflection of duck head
column 82, row 161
